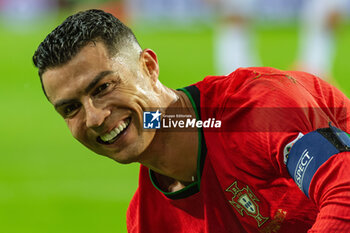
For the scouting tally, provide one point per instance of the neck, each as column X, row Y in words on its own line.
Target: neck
column 170, row 153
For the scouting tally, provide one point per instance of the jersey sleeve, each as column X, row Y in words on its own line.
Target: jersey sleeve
column 319, row 163
column 269, row 110
column 330, row 190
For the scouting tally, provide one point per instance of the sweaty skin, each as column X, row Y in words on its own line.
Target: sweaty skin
column 96, row 93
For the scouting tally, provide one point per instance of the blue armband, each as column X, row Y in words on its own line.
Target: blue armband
column 313, row 150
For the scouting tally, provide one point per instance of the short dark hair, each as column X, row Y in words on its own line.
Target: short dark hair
column 66, row 40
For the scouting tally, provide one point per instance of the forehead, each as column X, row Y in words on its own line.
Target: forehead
column 70, row 78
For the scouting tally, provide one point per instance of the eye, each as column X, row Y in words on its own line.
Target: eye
column 100, row 89
column 70, row 109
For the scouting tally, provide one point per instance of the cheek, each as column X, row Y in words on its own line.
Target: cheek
column 75, row 128
column 123, row 97
column 148, row 93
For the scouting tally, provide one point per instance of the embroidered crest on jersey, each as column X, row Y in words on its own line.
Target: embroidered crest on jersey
column 287, row 148
column 244, row 200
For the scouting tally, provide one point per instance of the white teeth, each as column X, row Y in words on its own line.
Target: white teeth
column 111, row 135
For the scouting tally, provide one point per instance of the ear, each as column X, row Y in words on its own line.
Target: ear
column 149, row 63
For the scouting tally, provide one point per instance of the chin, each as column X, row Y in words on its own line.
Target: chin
column 124, row 160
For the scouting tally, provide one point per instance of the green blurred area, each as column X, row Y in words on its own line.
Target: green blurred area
column 49, row 183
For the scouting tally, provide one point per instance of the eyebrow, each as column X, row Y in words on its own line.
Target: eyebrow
column 97, row 78
column 91, row 85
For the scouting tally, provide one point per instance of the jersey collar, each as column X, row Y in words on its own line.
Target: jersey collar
column 193, row 94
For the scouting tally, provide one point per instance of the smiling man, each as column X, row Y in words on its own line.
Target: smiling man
column 263, row 157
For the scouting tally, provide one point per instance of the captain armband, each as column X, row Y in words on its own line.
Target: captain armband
column 312, row 150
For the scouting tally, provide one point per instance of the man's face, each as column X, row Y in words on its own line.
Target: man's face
column 102, row 100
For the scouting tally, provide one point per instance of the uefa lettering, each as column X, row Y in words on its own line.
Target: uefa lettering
column 301, row 167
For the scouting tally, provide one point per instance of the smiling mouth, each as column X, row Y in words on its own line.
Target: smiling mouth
column 114, row 134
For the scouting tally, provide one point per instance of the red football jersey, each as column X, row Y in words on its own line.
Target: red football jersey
column 243, row 183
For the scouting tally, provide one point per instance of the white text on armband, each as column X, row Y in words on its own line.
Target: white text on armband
column 306, row 156
column 302, row 165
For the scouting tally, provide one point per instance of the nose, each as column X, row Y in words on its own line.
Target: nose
column 95, row 116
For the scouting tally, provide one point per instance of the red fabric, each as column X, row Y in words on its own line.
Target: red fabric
column 330, row 189
column 262, row 110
